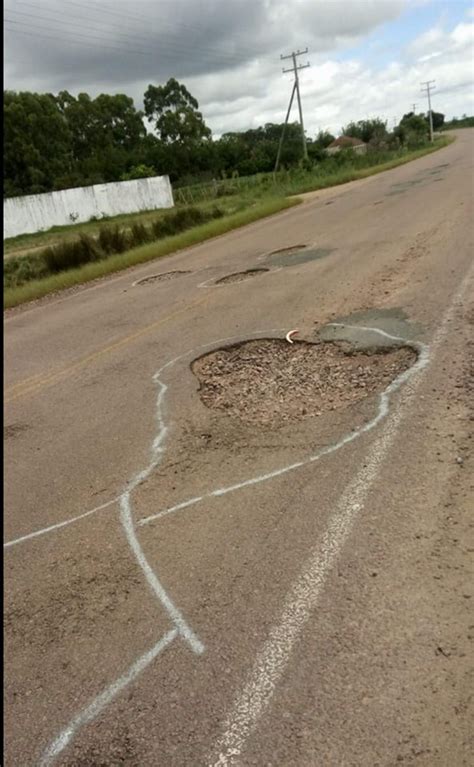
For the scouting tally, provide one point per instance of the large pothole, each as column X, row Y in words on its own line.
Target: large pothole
column 240, row 276
column 162, row 277
column 268, row 381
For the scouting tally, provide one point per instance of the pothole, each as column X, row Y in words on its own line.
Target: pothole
column 298, row 254
column 163, row 277
column 240, row 276
column 270, row 381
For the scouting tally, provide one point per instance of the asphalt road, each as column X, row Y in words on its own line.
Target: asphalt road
column 307, row 597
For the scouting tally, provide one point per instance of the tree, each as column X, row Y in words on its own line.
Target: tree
column 138, row 171
column 106, row 132
column 374, row 131
column 412, row 130
column 174, row 112
column 323, row 139
column 37, row 143
column 438, row 120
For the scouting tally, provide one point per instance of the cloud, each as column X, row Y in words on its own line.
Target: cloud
column 228, row 55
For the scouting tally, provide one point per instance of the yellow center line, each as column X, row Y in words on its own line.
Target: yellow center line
column 31, row 385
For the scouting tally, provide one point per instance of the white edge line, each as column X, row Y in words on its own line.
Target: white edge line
column 103, row 700
column 302, row 598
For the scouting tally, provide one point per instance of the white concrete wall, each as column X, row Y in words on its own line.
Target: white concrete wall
column 38, row 212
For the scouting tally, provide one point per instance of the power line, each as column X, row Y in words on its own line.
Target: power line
column 139, row 18
column 223, row 56
column 172, row 39
column 74, row 38
column 429, row 84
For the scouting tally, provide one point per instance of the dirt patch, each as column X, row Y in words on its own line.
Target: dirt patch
column 14, row 429
column 164, row 277
column 240, row 276
column 269, row 381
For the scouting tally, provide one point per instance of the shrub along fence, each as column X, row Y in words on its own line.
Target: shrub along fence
column 110, row 240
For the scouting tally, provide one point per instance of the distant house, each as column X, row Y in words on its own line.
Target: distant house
column 347, row 142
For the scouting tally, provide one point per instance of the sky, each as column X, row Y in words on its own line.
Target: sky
column 367, row 58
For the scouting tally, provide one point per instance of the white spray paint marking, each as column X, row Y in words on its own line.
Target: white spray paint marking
column 103, row 700
column 184, row 630
column 181, row 626
column 50, row 529
column 156, row 379
column 302, row 599
column 382, row 411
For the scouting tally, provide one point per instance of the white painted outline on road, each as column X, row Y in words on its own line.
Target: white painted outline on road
column 103, row 699
column 146, row 472
column 422, row 359
column 57, row 526
column 272, row 660
column 182, row 628
column 248, row 712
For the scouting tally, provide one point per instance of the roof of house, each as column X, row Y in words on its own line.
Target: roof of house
column 346, row 141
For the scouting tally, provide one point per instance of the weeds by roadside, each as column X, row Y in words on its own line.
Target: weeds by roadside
column 111, row 240
column 115, row 247
column 50, row 283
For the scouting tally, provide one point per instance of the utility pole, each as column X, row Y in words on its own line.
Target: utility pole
column 296, row 87
column 413, row 108
column 284, row 128
column 429, row 85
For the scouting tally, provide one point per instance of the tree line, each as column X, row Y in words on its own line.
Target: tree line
column 61, row 141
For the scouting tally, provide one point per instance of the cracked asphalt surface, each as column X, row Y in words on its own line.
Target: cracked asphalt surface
column 233, row 661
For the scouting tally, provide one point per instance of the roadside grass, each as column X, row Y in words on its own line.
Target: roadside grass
column 53, row 283
column 312, row 182
column 235, row 211
column 27, row 243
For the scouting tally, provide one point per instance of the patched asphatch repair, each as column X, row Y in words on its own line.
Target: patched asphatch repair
column 295, row 255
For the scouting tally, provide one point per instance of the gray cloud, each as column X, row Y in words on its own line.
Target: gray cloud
column 84, row 44
column 226, row 52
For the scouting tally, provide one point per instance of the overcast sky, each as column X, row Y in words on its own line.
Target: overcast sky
column 367, row 57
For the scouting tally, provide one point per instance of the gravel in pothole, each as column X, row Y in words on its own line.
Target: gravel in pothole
column 239, row 276
column 269, row 381
column 163, row 277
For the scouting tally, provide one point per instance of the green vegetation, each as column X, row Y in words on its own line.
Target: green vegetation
column 36, row 288
column 54, row 142
column 71, row 254
column 462, row 122
column 330, row 171
column 62, row 141
column 104, row 249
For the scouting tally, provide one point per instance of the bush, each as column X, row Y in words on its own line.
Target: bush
column 69, row 255
column 139, row 235
column 112, row 239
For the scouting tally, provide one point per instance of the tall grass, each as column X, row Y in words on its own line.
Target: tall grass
column 73, row 262
column 111, row 240
column 34, row 289
column 332, row 170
